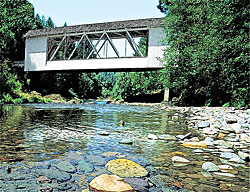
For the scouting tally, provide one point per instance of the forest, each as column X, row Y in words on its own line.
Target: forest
column 206, row 62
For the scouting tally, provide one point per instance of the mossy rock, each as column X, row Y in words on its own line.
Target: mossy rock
column 126, row 168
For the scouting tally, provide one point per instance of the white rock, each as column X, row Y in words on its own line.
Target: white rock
column 179, row 159
column 243, row 155
column 195, row 139
column 236, row 160
column 152, row 136
column 209, row 166
column 197, row 151
column 224, row 174
column 225, row 168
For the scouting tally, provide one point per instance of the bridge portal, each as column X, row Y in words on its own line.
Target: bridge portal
column 99, row 46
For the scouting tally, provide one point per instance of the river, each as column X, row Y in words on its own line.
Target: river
column 45, row 132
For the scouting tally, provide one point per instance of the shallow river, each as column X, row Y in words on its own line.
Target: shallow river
column 41, row 132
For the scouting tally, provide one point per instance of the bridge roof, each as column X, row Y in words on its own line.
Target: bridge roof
column 128, row 24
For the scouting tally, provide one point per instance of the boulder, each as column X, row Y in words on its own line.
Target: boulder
column 109, row 183
column 126, row 168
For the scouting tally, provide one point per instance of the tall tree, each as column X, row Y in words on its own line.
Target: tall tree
column 50, row 23
column 16, row 18
column 208, row 57
column 38, row 21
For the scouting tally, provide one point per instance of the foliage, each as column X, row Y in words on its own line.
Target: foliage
column 16, row 18
column 10, row 85
column 208, row 57
column 136, row 83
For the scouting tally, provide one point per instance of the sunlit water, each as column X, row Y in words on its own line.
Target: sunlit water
column 38, row 132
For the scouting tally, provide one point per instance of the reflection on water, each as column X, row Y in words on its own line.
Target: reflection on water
column 38, row 132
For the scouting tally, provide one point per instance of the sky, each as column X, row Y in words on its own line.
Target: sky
column 75, row 12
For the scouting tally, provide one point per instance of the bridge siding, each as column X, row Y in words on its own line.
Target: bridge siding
column 36, row 57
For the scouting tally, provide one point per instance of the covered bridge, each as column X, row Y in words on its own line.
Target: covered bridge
column 100, row 46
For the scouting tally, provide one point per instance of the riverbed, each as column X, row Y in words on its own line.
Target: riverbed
column 35, row 138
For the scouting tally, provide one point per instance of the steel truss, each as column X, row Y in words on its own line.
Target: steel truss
column 82, row 46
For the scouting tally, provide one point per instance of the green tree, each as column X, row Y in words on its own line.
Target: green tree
column 49, row 23
column 16, row 18
column 38, row 21
column 208, row 57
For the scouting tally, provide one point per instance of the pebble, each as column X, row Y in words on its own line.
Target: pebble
column 179, row 159
column 126, row 141
column 228, row 155
column 224, row 174
column 209, row 166
column 104, row 133
column 152, row 136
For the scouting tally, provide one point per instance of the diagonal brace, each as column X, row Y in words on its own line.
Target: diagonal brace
column 91, row 44
column 58, row 47
column 112, row 44
column 78, row 43
column 134, row 45
column 95, row 46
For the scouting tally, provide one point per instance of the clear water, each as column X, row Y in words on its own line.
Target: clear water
column 38, row 132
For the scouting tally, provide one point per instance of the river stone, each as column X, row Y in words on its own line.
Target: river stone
column 54, row 173
column 96, row 160
column 225, row 168
column 104, row 133
column 243, row 155
column 228, row 155
column 84, row 166
column 236, row 127
column 111, row 154
column 202, row 124
column 167, row 137
column 126, row 168
column 236, row 160
column 109, row 183
column 209, row 166
column 66, row 166
column 152, row 136
column 224, row 174
column 138, row 184
column 126, row 141
column 74, row 156
column 224, row 144
column 179, row 159
column 195, row 144
column 209, row 141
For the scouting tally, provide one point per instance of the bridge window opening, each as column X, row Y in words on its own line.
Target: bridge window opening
column 98, row 45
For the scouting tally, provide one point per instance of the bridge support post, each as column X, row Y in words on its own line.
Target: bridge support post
column 166, row 95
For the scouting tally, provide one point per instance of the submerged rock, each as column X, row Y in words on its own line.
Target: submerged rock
column 167, row 137
column 109, row 183
column 66, row 166
column 126, row 141
column 126, row 168
column 104, row 133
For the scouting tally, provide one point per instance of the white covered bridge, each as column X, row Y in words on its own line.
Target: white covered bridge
column 100, row 46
